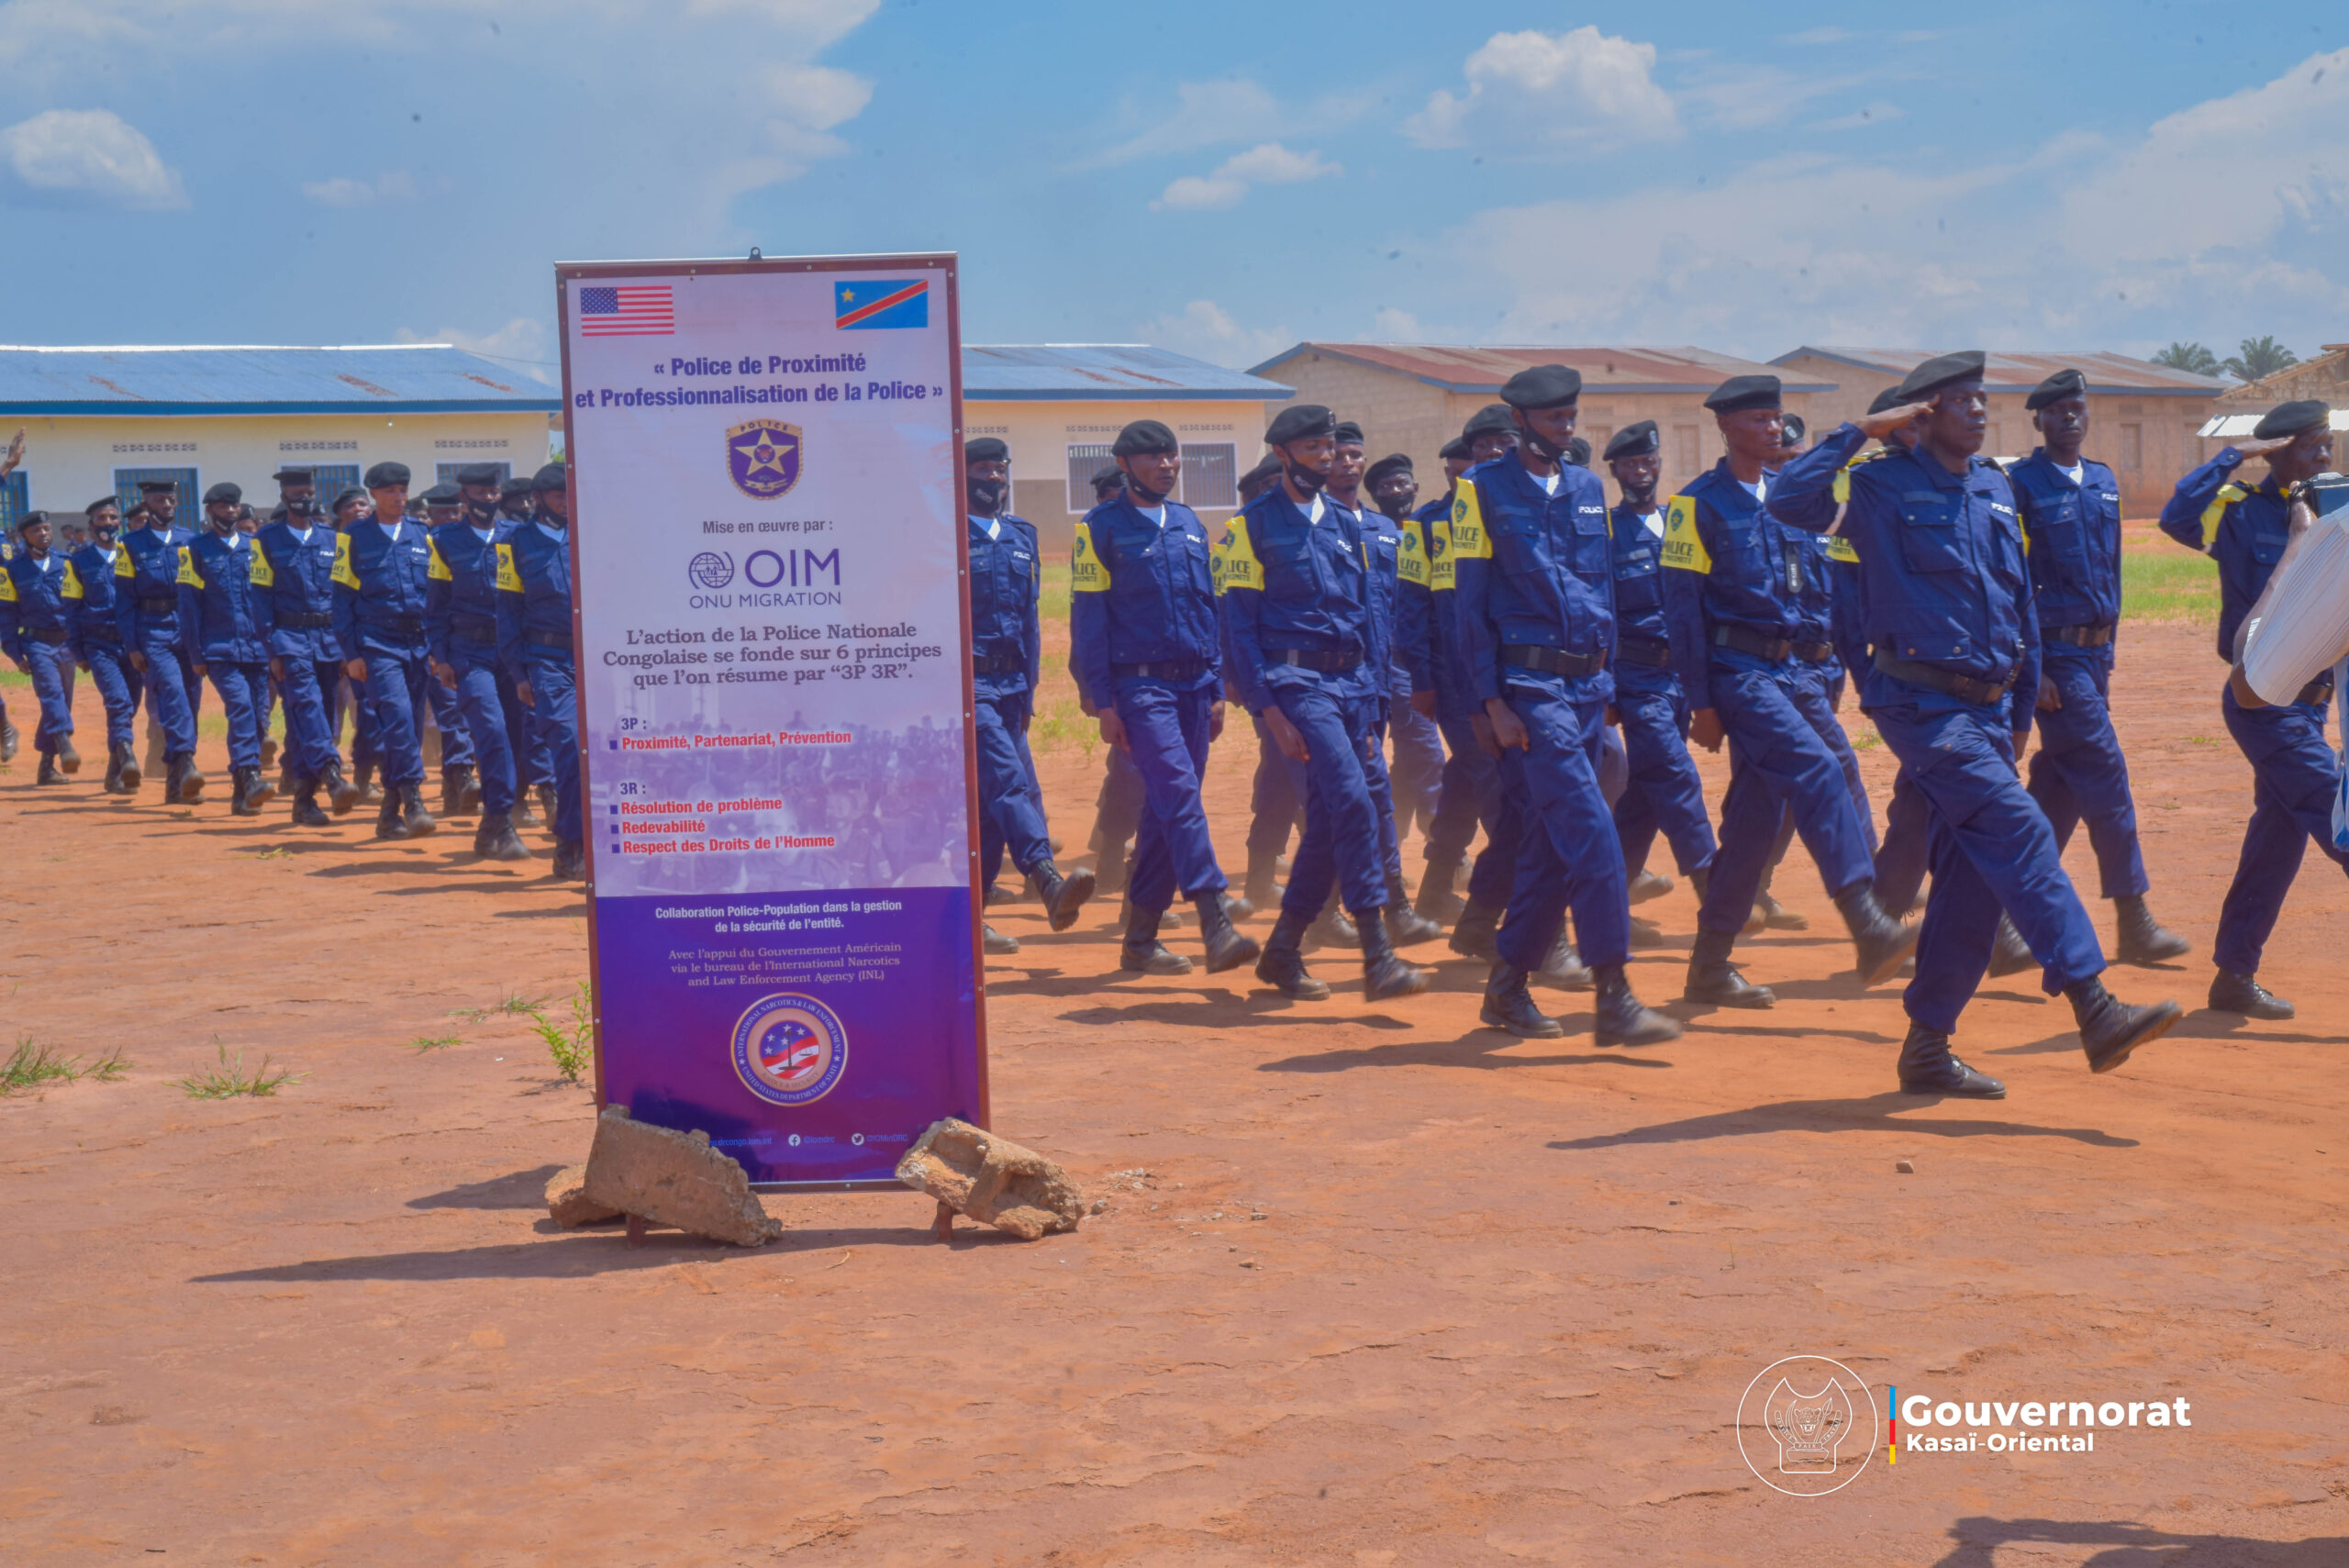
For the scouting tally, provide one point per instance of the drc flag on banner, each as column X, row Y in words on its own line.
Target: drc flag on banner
column 886, row 302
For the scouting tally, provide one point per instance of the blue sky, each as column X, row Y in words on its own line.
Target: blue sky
column 1222, row 178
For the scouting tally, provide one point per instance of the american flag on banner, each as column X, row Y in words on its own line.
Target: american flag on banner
column 627, row 310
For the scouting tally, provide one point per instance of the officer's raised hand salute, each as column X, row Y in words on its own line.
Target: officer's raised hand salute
column 1945, row 597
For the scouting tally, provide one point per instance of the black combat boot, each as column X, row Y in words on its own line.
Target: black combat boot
column 1405, row 927
column 2232, row 991
column 1878, row 942
column 306, row 807
column 2012, row 954
column 1064, row 896
column 1282, row 966
column 1649, row 884
column 1143, row 952
column 1509, row 1005
column 1385, row 975
column 1227, row 949
column 570, row 860
column 1622, row 1020
column 257, row 791
column 1713, row 978
column 2142, row 939
column 389, row 822
column 369, row 793
column 50, row 772
column 413, row 815
column 456, row 783
column 69, row 761
column 1927, row 1068
column 1474, row 936
column 242, row 781
column 341, row 793
column 995, row 944
column 545, row 792
column 1436, row 900
column 114, row 771
column 2111, row 1028
column 1332, row 930
column 128, row 770
column 1561, row 968
column 9, row 740
column 1769, row 913
column 191, row 786
column 268, row 752
column 1645, row 934
column 496, row 839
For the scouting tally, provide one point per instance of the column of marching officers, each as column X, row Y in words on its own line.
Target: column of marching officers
column 1539, row 661
column 464, row 614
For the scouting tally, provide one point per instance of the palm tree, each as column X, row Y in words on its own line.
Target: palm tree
column 2192, row 358
column 2261, row 358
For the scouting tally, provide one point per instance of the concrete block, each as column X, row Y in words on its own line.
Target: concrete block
column 567, row 1202
column 673, row 1178
column 992, row 1180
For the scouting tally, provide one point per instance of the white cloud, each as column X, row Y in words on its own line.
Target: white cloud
column 342, row 191
column 1205, row 330
column 1582, row 88
column 91, row 154
column 525, row 344
column 1268, row 163
column 1399, row 326
column 1204, row 113
column 1821, row 36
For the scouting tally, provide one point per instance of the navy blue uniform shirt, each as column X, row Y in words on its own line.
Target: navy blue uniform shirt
column 1141, row 593
column 2072, row 533
column 298, row 603
column 1531, row 569
column 460, row 588
column 1294, row 583
column 2244, row 527
column 1005, row 587
column 379, row 587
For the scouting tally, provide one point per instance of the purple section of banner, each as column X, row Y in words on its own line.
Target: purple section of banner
column 704, row 1025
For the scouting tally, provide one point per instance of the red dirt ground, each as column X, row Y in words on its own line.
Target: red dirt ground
column 336, row 1327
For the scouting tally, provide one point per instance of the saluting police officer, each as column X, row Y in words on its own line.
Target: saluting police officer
column 221, row 622
column 294, row 566
column 1945, row 597
column 535, row 601
column 1007, row 656
column 1747, row 624
column 35, row 627
column 2297, row 773
column 379, row 574
column 1143, row 649
column 100, row 569
column 1537, row 626
column 149, row 604
column 461, row 629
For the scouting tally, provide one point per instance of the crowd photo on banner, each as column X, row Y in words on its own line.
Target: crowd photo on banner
column 1513, row 659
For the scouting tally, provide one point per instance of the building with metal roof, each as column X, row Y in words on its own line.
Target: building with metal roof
column 2324, row 378
column 1413, row 397
column 1059, row 405
column 101, row 419
column 2145, row 418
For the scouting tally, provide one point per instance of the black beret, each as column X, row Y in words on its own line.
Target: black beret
column 1348, row 433
column 1299, row 422
column 1454, row 449
column 290, row 475
column 227, row 490
column 138, row 509
column 2065, row 383
column 1143, row 437
column 442, row 495
column 1936, row 373
column 147, row 486
column 91, row 509
column 554, row 476
column 349, row 492
column 383, row 475
column 2292, row 420
column 1258, row 477
column 1492, row 419
column 1542, row 387
column 29, row 518
column 1393, row 462
column 1634, row 441
column 1110, row 478
column 1889, row 398
column 1578, row 452
column 479, row 473
column 1790, row 431
column 987, row 448
column 1743, row 392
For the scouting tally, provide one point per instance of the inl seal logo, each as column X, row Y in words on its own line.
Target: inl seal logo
column 763, row 457
column 789, row 1050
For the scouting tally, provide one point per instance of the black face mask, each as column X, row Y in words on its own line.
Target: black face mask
column 301, row 507
column 484, row 512
column 1538, row 447
column 553, row 516
column 1305, row 479
column 1143, row 494
column 985, row 495
column 104, row 533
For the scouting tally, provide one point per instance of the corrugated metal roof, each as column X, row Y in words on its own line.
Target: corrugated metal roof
column 1057, row 373
column 1481, row 369
column 2006, row 372
column 413, row 378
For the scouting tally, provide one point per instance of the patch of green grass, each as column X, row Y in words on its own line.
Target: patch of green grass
column 283, row 852
column 518, row 1004
column 423, row 1043
column 228, row 1079
column 1053, row 592
column 470, row 1014
column 30, row 1064
column 2168, row 582
column 572, row 1048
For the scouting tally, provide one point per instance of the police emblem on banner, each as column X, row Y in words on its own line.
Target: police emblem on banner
column 763, row 457
column 789, row 1050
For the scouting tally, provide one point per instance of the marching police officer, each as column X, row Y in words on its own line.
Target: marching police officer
column 35, row 627
column 220, row 621
column 294, row 566
column 379, row 574
column 1274, row 808
column 1416, row 774
column 1143, row 649
column 148, row 599
column 1665, row 790
column 100, row 568
column 1118, row 808
column 1310, row 659
column 1006, row 655
column 351, row 506
column 1945, row 599
column 2245, row 528
column 2070, row 507
column 1423, row 640
column 461, row 629
column 1537, row 626
column 1746, row 622
column 534, row 613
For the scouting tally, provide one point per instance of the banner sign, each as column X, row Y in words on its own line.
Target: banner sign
column 774, row 689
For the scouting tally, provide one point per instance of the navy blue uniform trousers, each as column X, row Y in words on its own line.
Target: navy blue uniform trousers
column 52, row 665
column 1275, row 803
column 243, row 687
column 396, row 680
column 1567, row 853
column 1777, row 721
column 2077, row 775
column 554, row 719
column 2296, row 777
column 488, row 706
column 1342, row 846
column 1166, row 731
column 1011, row 801
column 172, row 695
column 119, row 687
column 1662, row 792
column 1416, row 775
column 311, row 730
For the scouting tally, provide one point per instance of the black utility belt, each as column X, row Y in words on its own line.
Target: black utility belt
column 1777, row 649
column 402, row 626
column 1327, row 662
column 548, row 639
column 1651, row 651
column 304, row 620
column 102, row 631
column 1948, row 682
column 52, row 635
column 1165, row 670
column 170, row 601
column 2318, row 690
column 479, row 629
column 999, row 664
column 2083, row 635
column 1551, row 660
